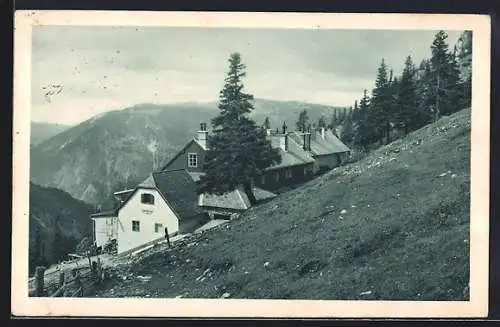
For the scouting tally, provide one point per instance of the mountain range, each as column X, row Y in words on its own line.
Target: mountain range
column 40, row 132
column 119, row 148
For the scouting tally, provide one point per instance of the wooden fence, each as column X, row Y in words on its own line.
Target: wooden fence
column 68, row 284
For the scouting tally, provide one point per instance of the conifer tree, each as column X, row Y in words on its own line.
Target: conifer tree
column 347, row 128
column 238, row 149
column 37, row 250
column 303, row 120
column 426, row 91
column 321, row 122
column 445, row 76
column 378, row 114
column 267, row 123
column 362, row 131
column 57, row 241
column 408, row 116
column 464, row 59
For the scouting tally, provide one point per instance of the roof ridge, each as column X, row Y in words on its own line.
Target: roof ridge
column 168, row 170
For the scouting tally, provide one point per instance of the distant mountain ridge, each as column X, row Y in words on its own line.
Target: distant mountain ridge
column 40, row 132
column 113, row 150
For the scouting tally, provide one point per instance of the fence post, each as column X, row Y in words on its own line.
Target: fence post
column 39, row 280
column 61, row 279
column 90, row 262
column 78, row 283
column 167, row 237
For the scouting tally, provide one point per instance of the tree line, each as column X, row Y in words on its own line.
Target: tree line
column 239, row 150
column 440, row 85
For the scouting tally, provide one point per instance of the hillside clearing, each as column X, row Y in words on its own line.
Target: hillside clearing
column 393, row 226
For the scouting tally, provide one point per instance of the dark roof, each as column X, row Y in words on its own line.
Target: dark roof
column 293, row 157
column 179, row 190
column 236, row 199
column 319, row 146
column 111, row 213
column 179, row 153
column 176, row 187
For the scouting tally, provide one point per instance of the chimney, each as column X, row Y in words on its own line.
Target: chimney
column 312, row 132
column 284, row 127
column 306, row 142
column 322, row 133
column 203, row 135
column 280, row 140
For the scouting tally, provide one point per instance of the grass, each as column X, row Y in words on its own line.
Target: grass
column 404, row 235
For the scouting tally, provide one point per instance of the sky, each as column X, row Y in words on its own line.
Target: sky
column 81, row 71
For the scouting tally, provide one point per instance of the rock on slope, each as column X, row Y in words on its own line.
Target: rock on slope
column 393, row 226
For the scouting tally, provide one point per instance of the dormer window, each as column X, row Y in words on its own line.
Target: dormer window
column 147, row 198
column 192, row 160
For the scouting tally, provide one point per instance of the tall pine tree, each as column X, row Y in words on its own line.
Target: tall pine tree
column 267, row 123
column 238, row 149
column 57, row 241
column 445, row 76
column 321, row 122
column 302, row 121
column 378, row 115
column 362, row 131
column 408, row 116
column 426, row 91
column 347, row 127
column 464, row 59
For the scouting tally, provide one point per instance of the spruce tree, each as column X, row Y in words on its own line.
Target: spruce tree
column 362, row 130
column 408, row 116
column 37, row 257
column 378, row 116
column 267, row 123
column 347, row 128
column 445, row 76
column 426, row 91
column 238, row 149
column 321, row 122
column 57, row 241
column 303, row 120
column 464, row 59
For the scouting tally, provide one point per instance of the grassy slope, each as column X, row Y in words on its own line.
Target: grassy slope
column 404, row 236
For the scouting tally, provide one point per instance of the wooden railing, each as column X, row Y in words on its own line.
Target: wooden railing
column 68, row 284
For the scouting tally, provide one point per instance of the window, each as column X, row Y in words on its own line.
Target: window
column 277, row 177
column 136, row 226
column 192, row 160
column 158, row 228
column 263, row 180
column 288, row 173
column 147, row 198
column 305, row 171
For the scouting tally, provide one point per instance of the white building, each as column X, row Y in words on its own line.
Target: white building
column 165, row 202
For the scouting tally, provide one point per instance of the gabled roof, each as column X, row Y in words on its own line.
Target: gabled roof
column 236, row 200
column 165, row 166
column 112, row 213
column 319, row 146
column 179, row 189
column 295, row 155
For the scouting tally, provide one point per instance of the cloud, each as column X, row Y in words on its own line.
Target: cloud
column 105, row 68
